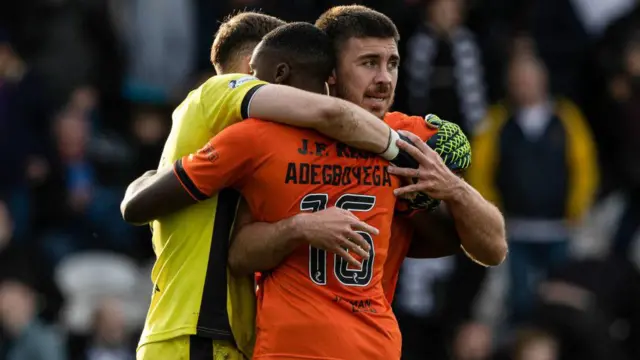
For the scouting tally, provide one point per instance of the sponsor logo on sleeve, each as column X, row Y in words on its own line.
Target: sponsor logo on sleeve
column 237, row 82
column 210, row 152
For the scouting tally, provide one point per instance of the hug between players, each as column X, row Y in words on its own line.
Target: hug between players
column 430, row 179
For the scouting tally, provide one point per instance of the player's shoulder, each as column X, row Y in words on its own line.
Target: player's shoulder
column 259, row 125
column 393, row 117
column 401, row 121
column 257, row 136
column 277, row 134
column 415, row 124
column 227, row 82
column 398, row 120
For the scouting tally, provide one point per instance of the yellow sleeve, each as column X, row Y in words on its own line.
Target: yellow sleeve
column 485, row 155
column 225, row 99
column 187, row 130
column 221, row 101
column 582, row 160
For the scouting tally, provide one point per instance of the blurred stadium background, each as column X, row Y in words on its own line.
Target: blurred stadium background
column 549, row 87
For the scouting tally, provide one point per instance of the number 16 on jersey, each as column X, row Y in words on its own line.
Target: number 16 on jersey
column 318, row 258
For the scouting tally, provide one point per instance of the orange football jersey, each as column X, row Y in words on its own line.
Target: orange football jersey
column 314, row 305
column 401, row 236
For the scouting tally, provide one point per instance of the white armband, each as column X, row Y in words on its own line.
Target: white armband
column 392, row 148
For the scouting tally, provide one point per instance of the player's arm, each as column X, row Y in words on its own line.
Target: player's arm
column 479, row 223
column 152, row 195
column 193, row 178
column 333, row 117
column 261, row 246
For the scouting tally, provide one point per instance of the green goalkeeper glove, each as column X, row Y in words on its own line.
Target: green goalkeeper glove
column 455, row 150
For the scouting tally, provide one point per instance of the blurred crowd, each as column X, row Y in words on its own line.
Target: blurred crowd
column 548, row 91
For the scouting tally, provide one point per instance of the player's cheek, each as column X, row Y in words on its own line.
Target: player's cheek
column 360, row 81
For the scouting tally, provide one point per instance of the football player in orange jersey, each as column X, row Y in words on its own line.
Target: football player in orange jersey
column 366, row 74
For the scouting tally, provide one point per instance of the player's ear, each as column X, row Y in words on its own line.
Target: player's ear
column 332, row 78
column 283, row 71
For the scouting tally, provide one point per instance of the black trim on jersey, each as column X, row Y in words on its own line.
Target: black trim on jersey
column 213, row 321
column 200, row 348
column 244, row 107
column 186, row 181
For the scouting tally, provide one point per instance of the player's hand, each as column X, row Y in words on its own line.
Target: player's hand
column 432, row 177
column 336, row 230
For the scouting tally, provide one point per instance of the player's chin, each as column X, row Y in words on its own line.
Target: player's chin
column 377, row 107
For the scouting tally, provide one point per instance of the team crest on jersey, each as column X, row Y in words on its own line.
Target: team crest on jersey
column 210, row 152
column 235, row 83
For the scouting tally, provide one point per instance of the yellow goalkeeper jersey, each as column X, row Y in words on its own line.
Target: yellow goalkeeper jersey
column 193, row 293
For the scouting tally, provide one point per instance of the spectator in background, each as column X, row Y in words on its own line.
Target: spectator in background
column 109, row 339
column 620, row 58
column 419, row 303
column 66, row 42
column 534, row 158
column 76, row 208
column 628, row 150
column 593, row 309
column 84, row 99
column 6, row 226
column 22, row 120
column 564, row 46
column 535, row 344
column 443, row 71
column 160, row 38
column 472, row 342
column 434, row 305
column 27, row 337
column 16, row 261
column 107, row 148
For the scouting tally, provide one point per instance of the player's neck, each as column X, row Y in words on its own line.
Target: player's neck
column 310, row 86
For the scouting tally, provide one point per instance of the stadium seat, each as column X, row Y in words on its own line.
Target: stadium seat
column 86, row 278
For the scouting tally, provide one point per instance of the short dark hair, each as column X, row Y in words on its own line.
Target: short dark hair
column 238, row 35
column 342, row 23
column 305, row 46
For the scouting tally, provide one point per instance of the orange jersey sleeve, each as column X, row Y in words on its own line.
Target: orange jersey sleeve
column 414, row 124
column 225, row 161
